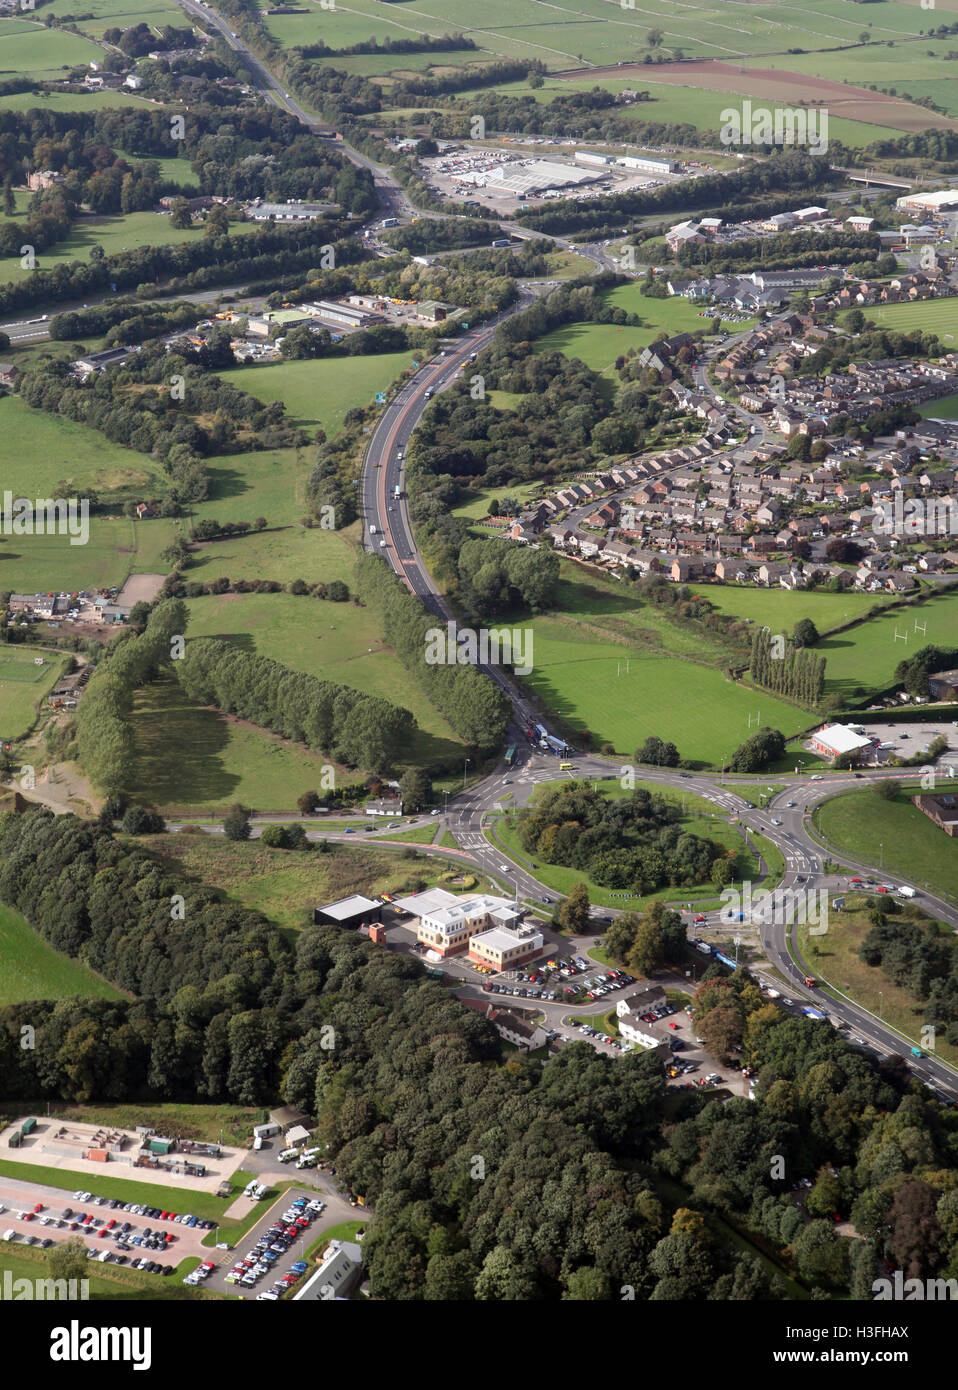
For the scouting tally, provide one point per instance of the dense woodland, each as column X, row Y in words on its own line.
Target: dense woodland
column 635, row 843
column 573, row 1201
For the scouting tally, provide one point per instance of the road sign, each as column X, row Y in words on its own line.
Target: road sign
column 380, row 397
column 465, row 325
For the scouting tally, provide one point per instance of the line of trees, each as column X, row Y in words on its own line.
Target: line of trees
column 350, row 727
column 189, row 265
column 474, row 707
column 105, row 745
column 798, row 673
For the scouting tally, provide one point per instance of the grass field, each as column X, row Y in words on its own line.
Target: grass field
column 292, row 553
column 696, row 707
column 781, row 609
column 121, row 13
column 71, row 101
column 892, row 834
column 271, row 483
column 333, row 641
column 113, row 234
column 320, row 392
column 599, row 344
column 930, row 315
column 680, row 104
column 30, row 969
column 868, row 654
column 595, row 33
column 227, row 761
column 946, row 408
column 23, row 686
column 28, row 49
column 834, row 957
column 48, row 456
column 285, row 885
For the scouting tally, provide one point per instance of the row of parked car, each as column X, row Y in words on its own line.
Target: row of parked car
column 590, row 1032
column 138, row 1209
column 271, row 1246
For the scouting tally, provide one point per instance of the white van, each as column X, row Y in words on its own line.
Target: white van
column 288, row 1155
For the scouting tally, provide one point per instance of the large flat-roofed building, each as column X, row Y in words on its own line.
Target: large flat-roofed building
column 448, row 924
column 288, row 212
column 260, row 325
column 347, row 315
column 349, row 912
column 646, row 165
column 537, row 175
column 505, row 947
column 929, row 202
column 836, row 739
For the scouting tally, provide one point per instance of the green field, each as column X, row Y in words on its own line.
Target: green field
column 333, row 641
column 320, row 392
column 834, row 958
column 944, row 409
column 868, row 654
column 293, row 553
column 28, row 49
column 606, row 661
column 599, row 344
column 48, row 456
column 696, row 707
column 285, row 885
column 30, row 969
column 23, row 686
column 672, row 103
column 930, row 315
column 113, row 234
column 242, row 487
column 593, row 32
column 781, row 609
column 227, row 761
column 70, row 101
column 892, row 834
column 105, row 14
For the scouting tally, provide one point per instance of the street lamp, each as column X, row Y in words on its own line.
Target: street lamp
column 464, row 766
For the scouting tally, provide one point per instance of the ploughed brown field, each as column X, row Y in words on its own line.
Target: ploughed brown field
column 778, row 84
